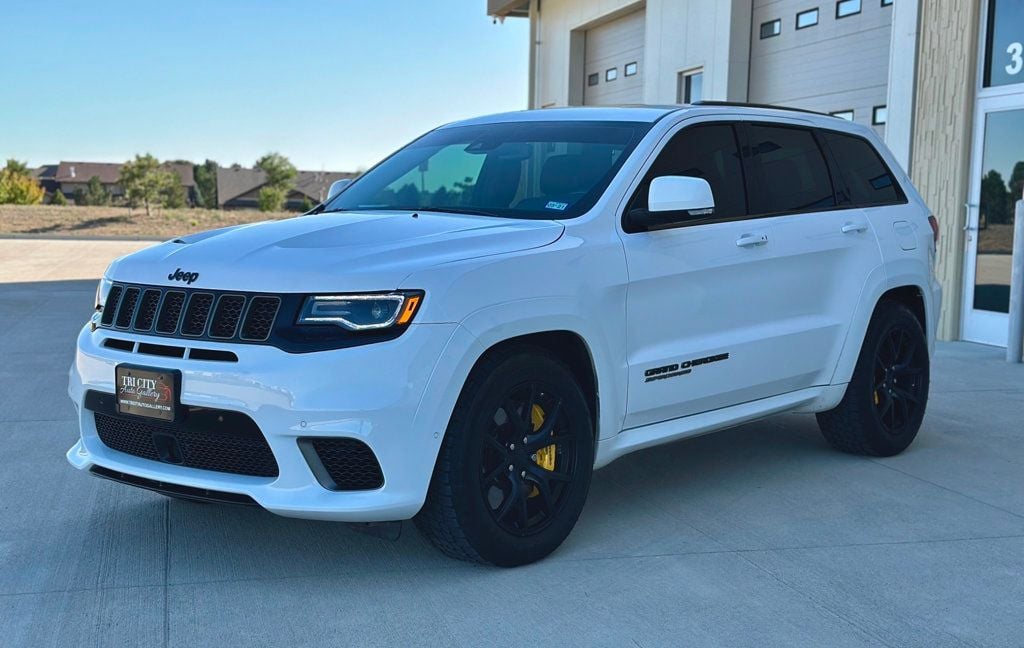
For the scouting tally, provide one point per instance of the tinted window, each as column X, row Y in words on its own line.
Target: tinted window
column 514, row 170
column 868, row 181
column 793, row 173
column 709, row 152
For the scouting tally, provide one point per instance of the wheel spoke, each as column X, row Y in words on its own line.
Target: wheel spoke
column 509, row 502
column 493, row 476
column 905, row 395
column 497, row 446
column 515, row 417
column 542, row 437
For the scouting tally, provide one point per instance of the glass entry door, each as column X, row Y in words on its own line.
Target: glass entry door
column 996, row 186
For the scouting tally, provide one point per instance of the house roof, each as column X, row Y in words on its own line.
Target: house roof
column 45, row 172
column 110, row 172
column 233, row 182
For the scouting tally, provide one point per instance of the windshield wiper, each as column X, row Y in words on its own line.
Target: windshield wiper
column 459, row 210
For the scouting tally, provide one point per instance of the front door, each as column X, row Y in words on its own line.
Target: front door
column 997, row 184
column 706, row 297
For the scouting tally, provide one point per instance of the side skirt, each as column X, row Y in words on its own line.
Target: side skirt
column 812, row 399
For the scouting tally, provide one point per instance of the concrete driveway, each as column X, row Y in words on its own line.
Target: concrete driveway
column 756, row 536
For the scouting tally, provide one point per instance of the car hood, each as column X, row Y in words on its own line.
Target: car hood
column 349, row 251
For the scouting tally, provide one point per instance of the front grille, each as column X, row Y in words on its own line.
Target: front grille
column 195, row 445
column 349, row 463
column 200, row 314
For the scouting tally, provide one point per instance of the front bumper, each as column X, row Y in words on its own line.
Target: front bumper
column 374, row 393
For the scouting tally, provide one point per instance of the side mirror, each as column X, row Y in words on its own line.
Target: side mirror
column 336, row 188
column 674, row 199
column 680, row 193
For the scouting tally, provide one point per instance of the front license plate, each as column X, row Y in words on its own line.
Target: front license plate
column 145, row 391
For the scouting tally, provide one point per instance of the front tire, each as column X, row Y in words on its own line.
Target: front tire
column 884, row 404
column 515, row 466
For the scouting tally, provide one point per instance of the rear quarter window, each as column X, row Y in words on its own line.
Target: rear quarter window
column 868, row 181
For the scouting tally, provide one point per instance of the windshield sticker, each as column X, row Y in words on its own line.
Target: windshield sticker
column 560, row 206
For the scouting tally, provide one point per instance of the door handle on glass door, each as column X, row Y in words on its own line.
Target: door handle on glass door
column 751, row 240
column 850, row 228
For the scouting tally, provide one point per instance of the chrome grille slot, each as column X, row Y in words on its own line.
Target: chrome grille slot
column 126, row 311
column 110, row 307
column 197, row 313
column 259, row 319
column 170, row 312
column 147, row 309
column 226, row 316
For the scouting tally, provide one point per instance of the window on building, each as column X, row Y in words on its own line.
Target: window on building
column 879, row 115
column 1004, row 43
column 794, row 176
column 843, row 114
column 771, row 28
column 710, row 152
column 806, row 19
column 868, row 181
column 593, row 79
column 690, row 86
column 630, row 69
column 846, row 8
column 611, row 74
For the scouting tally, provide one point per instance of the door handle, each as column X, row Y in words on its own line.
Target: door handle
column 851, row 228
column 751, row 240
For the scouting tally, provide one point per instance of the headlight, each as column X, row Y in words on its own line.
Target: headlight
column 361, row 312
column 102, row 290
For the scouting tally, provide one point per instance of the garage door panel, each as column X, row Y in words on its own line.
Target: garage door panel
column 614, row 45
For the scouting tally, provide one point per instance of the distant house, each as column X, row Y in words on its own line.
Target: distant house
column 71, row 176
column 46, row 175
column 239, row 188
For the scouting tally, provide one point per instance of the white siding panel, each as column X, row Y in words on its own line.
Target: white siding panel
column 838, row 64
column 614, row 45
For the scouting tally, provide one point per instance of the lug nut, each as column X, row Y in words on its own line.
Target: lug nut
column 534, row 457
column 523, row 474
column 512, row 447
column 511, row 467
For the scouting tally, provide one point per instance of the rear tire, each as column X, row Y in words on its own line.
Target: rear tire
column 884, row 404
column 524, row 409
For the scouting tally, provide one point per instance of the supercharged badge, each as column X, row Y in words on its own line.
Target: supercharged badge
column 681, row 368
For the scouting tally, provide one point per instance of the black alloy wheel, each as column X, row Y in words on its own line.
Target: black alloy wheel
column 528, row 460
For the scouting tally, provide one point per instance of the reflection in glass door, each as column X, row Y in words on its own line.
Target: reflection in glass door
column 998, row 185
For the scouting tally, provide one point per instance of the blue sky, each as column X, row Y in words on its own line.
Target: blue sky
column 334, row 85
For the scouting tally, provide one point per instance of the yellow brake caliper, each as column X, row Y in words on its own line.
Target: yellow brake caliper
column 546, row 455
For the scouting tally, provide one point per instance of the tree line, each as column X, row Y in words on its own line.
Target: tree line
column 999, row 198
column 148, row 183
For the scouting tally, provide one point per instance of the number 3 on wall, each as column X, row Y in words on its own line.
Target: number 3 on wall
column 1015, row 50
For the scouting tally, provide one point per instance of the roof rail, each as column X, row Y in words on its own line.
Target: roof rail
column 740, row 104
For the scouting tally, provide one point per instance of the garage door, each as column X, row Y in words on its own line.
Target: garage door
column 614, row 62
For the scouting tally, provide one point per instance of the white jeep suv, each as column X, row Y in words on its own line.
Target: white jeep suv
column 464, row 333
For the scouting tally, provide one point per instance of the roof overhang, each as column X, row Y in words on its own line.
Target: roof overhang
column 508, row 8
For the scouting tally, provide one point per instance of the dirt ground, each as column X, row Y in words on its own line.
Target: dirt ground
column 49, row 220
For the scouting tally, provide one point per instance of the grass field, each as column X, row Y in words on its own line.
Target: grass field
column 48, row 220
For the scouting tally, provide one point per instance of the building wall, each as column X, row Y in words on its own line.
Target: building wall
column 941, row 141
column 679, row 35
column 838, row 64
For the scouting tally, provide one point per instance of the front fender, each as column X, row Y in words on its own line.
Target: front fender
column 500, row 322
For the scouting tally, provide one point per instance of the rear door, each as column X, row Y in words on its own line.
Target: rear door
column 704, row 295
column 825, row 247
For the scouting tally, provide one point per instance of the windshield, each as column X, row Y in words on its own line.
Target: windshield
column 515, row 170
